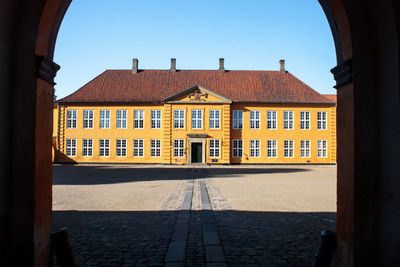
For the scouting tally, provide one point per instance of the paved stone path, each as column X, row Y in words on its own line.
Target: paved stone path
column 195, row 226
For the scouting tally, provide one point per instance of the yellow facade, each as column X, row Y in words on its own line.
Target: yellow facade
column 198, row 139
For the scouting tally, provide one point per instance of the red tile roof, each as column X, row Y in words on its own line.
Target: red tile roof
column 155, row 85
column 332, row 98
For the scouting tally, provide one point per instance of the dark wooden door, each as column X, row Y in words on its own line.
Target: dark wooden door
column 197, row 153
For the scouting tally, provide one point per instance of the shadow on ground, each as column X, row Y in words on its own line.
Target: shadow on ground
column 142, row 238
column 90, row 175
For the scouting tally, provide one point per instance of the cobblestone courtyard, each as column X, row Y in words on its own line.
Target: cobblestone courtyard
column 130, row 215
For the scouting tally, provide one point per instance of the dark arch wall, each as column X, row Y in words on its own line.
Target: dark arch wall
column 366, row 35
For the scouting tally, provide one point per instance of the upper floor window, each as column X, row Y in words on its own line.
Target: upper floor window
column 271, row 119
column 254, row 148
column 272, row 148
column 305, row 148
column 288, row 148
column 155, row 148
column 179, row 118
column 254, row 119
column 138, row 147
column 104, row 119
column 88, row 119
column 71, row 118
column 121, row 148
column 138, row 119
column 237, row 148
column 179, row 148
column 237, row 119
column 214, row 119
column 288, row 120
column 214, row 148
column 322, row 149
column 104, row 147
column 71, row 147
column 121, row 119
column 305, row 120
column 321, row 120
column 197, row 118
column 156, row 119
column 87, row 147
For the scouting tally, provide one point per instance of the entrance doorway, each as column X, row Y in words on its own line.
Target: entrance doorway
column 197, row 152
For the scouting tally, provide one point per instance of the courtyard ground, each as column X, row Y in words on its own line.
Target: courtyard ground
column 135, row 215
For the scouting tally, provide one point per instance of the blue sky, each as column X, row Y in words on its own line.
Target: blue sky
column 251, row 35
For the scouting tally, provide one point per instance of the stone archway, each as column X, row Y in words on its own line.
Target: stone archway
column 368, row 51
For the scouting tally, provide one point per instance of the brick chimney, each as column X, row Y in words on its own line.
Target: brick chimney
column 173, row 65
column 221, row 65
column 135, row 65
column 282, row 63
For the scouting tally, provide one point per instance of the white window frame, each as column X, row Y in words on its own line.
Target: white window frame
column 215, row 118
column 272, row 119
column 197, row 118
column 305, row 151
column 322, row 120
column 155, row 148
column 254, row 119
column 88, row 115
column 272, row 148
column 288, row 120
column 255, row 148
column 105, row 116
column 138, row 119
column 305, row 120
column 122, row 119
column 70, row 146
column 156, row 119
column 179, row 148
column 71, row 118
column 179, row 119
column 214, row 148
column 288, row 148
column 104, row 147
column 237, row 123
column 120, row 145
column 322, row 148
column 237, row 148
column 87, row 147
column 138, row 148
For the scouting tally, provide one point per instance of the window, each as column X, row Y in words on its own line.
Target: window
column 138, row 147
column 104, row 150
column 155, row 147
column 87, row 147
column 104, row 119
column 288, row 120
column 254, row 148
column 197, row 118
column 271, row 149
column 237, row 119
column 214, row 119
column 305, row 148
column 322, row 149
column 71, row 118
column 305, row 120
column 156, row 119
column 121, row 119
column 179, row 148
column 288, row 149
column 138, row 119
column 214, row 148
column 71, row 147
column 254, row 119
column 88, row 119
column 237, row 148
column 271, row 120
column 121, row 147
column 321, row 120
column 179, row 118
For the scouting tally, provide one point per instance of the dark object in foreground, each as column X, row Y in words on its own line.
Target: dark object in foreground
column 62, row 248
column 323, row 257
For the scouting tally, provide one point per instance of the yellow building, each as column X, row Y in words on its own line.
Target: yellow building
column 196, row 116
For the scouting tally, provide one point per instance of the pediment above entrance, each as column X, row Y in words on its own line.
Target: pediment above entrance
column 196, row 94
column 197, row 135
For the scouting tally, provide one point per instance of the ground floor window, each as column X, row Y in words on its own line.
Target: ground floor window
column 104, row 150
column 214, row 148
column 271, row 149
column 305, row 148
column 87, row 147
column 179, row 148
column 254, row 148
column 155, row 147
column 71, row 147
column 237, row 148
column 121, row 148
column 322, row 148
column 288, row 149
column 138, row 147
